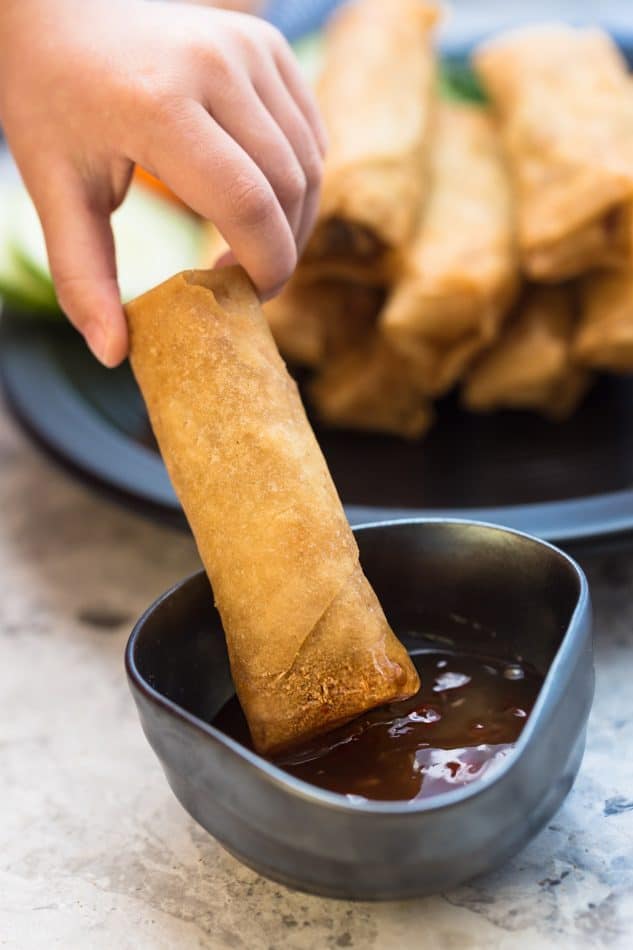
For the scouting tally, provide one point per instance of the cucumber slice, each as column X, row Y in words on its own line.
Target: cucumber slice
column 153, row 240
column 17, row 294
column 19, row 287
column 38, row 278
column 25, row 237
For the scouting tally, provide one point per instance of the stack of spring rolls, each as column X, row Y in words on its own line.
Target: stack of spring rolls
column 487, row 248
column 564, row 103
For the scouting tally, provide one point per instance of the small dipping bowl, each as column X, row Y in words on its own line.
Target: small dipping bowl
column 444, row 585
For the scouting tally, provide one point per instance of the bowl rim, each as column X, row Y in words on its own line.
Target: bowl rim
column 334, row 800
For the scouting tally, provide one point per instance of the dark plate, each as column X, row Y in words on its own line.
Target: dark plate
column 570, row 482
column 480, row 589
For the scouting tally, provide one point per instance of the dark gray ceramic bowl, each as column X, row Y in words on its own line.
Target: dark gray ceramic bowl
column 476, row 586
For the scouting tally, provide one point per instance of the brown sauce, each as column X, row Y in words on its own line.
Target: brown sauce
column 462, row 723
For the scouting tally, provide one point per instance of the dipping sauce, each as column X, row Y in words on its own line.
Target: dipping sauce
column 462, row 723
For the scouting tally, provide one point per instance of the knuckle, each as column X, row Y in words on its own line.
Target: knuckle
column 251, row 204
column 214, row 57
column 166, row 110
column 169, row 117
column 271, row 35
column 219, row 63
column 248, row 43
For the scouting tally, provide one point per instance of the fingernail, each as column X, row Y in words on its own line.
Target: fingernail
column 95, row 337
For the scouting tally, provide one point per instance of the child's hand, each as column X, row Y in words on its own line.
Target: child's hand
column 211, row 102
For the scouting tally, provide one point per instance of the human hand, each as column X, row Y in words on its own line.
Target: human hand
column 211, row 102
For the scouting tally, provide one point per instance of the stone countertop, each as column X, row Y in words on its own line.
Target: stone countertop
column 95, row 852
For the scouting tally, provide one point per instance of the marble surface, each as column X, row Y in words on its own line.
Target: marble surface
column 95, row 852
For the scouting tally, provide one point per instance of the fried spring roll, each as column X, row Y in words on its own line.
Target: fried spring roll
column 371, row 388
column 530, row 366
column 605, row 334
column 375, row 93
column 565, row 103
column 312, row 321
column 460, row 273
column 436, row 369
column 295, row 319
column 308, row 643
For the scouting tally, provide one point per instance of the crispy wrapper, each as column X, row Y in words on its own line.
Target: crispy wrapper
column 460, row 273
column 315, row 320
column 605, row 335
column 375, row 93
column 371, row 387
column 434, row 368
column 530, row 366
column 308, row 643
column 565, row 103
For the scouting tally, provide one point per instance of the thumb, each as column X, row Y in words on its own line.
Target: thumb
column 80, row 250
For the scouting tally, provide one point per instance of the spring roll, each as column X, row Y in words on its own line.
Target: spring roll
column 565, row 103
column 605, row 334
column 460, row 273
column 530, row 366
column 308, row 643
column 371, row 388
column 375, row 93
column 312, row 321
column 436, row 369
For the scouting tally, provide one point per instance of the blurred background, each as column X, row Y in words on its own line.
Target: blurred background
column 473, row 18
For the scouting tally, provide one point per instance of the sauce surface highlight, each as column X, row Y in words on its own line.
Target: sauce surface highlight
column 463, row 722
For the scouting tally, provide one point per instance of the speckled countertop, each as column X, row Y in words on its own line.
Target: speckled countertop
column 95, row 852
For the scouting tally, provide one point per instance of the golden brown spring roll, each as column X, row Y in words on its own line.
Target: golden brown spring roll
column 375, row 93
column 312, row 321
column 460, row 273
column 371, row 388
column 436, row 369
column 565, row 103
column 295, row 319
column 308, row 643
column 605, row 334
column 530, row 366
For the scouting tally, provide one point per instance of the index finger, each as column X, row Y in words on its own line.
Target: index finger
column 213, row 175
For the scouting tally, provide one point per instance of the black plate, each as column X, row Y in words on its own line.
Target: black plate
column 570, row 482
